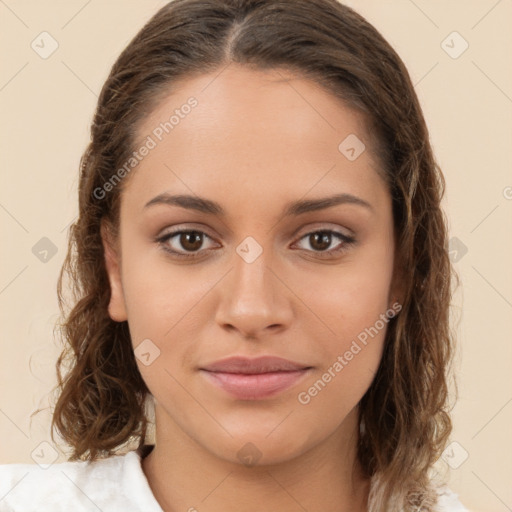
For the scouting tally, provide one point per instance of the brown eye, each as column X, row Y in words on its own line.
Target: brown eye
column 320, row 241
column 186, row 243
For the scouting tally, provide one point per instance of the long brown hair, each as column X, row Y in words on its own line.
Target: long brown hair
column 404, row 413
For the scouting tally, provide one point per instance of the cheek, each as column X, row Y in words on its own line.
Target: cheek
column 350, row 349
column 170, row 306
column 327, row 399
column 160, row 296
column 349, row 327
column 346, row 299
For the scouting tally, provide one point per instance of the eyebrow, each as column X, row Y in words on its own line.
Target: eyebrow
column 293, row 208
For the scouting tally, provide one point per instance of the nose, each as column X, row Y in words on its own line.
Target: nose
column 255, row 299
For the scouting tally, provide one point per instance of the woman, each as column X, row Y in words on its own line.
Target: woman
column 261, row 254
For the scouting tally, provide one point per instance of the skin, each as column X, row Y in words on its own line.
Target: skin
column 254, row 143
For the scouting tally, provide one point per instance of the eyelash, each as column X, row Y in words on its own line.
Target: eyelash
column 347, row 242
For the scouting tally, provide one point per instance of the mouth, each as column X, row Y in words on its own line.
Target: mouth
column 254, row 379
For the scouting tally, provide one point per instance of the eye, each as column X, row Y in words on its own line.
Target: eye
column 321, row 240
column 186, row 241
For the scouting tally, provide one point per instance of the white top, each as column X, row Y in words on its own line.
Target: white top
column 115, row 484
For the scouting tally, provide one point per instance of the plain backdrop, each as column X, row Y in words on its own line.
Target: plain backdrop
column 458, row 55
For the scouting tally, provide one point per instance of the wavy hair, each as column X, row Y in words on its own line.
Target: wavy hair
column 404, row 415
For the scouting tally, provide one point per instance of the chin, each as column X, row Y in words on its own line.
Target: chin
column 256, row 448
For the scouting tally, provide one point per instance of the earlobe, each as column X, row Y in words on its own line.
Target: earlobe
column 397, row 292
column 116, row 307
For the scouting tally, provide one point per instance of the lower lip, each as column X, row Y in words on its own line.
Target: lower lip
column 256, row 386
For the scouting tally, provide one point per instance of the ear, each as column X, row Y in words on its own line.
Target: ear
column 117, row 306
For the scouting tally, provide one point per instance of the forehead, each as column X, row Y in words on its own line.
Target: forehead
column 278, row 101
column 254, row 132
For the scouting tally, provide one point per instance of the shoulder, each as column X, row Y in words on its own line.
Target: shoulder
column 116, row 484
column 448, row 501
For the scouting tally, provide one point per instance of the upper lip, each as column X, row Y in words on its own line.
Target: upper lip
column 263, row 364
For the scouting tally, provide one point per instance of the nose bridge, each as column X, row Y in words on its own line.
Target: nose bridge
column 254, row 297
column 252, row 276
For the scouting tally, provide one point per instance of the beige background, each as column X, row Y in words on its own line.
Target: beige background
column 47, row 105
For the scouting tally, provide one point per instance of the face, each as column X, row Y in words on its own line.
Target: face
column 257, row 261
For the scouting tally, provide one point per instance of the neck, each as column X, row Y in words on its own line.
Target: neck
column 184, row 475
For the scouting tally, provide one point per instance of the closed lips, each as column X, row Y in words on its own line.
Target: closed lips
column 254, row 379
column 263, row 364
